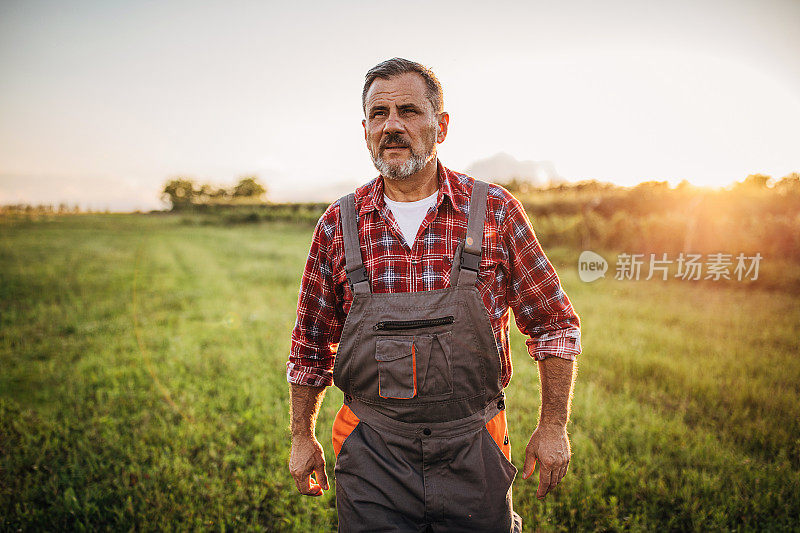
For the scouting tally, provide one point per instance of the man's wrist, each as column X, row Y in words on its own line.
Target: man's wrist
column 305, row 402
column 552, row 422
column 557, row 377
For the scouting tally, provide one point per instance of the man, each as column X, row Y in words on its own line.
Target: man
column 404, row 304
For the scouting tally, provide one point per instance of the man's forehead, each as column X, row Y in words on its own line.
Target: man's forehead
column 404, row 88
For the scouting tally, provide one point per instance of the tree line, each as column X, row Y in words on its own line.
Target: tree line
column 183, row 193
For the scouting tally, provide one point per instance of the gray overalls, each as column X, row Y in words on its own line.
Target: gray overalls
column 421, row 371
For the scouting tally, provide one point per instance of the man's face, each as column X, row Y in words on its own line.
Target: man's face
column 401, row 128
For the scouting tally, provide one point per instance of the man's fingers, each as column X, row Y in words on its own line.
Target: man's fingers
column 321, row 475
column 556, row 478
column 544, row 481
column 308, row 487
column 529, row 466
column 315, row 489
column 303, row 483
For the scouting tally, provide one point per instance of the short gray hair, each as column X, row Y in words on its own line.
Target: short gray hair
column 396, row 66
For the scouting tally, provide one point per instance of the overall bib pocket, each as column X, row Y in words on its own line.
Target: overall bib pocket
column 436, row 374
column 397, row 367
column 414, row 366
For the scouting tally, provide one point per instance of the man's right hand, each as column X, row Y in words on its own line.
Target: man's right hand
column 306, row 458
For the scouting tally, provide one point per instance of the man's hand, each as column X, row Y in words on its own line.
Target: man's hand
column 549, row 445
column 307, row 457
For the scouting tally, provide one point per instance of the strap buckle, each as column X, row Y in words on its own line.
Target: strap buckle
column 470, row 261
column 357, row 276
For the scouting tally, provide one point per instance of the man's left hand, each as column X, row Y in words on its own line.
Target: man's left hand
column 549, row 445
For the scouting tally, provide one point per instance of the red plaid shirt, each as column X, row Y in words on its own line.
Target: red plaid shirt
column 514, row 274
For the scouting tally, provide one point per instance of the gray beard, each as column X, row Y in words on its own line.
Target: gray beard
column 415, row 163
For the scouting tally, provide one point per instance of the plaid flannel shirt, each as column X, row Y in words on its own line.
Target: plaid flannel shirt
column 514, row 274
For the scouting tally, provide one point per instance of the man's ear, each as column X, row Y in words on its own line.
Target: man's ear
column 443, row 122
column 364, row 124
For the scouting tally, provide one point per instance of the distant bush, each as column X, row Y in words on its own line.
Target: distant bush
column 248, row 214
column 40, row 209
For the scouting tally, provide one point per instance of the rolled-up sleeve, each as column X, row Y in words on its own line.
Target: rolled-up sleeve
column 541, row 308
column 320, row 320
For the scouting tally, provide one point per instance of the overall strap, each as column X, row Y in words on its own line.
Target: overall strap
column 471, row 253
column 353, row 263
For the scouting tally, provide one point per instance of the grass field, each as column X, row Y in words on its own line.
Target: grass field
column 143, row 387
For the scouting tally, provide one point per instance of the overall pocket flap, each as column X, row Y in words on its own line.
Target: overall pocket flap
column 392, row 349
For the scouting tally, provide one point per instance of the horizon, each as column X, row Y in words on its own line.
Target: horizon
column 77, row 208
column 104, row 102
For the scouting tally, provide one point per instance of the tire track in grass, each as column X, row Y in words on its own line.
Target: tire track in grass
column 194, row 262
column 165, row 393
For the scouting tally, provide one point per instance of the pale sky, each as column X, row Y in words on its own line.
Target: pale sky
column 102, row 101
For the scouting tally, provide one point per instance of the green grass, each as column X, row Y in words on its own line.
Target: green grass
column 143, row 387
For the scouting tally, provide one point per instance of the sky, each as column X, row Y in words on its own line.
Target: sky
column 101, row 102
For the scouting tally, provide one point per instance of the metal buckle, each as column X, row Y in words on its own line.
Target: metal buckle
column 357, row 276
column 470, row 261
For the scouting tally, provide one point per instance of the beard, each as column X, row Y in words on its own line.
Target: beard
column 416, row 160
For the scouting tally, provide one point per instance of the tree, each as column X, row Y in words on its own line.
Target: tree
column 754, row 181
column 180, row 192
column 789, row 184
column 249, row 187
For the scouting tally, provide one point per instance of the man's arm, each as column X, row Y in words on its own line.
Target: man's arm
column 311, row 356
column 549, row 444
column 307, row 456
column 542, row 311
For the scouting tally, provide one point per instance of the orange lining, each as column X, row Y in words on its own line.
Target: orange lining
column 344, row 424
column 346, row 421
column 414, row 365
column 498, row 429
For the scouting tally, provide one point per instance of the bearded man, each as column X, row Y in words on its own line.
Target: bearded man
column 404, row 305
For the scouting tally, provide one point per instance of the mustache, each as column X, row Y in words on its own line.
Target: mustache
column 395, row 139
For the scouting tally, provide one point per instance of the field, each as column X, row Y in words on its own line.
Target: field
column 143, row 388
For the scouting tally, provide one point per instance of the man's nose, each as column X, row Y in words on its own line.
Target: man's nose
column 393, row 124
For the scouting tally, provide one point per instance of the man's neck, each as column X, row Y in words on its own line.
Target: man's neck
column 415, row 187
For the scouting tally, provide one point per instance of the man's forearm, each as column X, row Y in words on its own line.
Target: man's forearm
column 557, row 376
column 305, row 407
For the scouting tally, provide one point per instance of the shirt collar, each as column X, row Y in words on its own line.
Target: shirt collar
column 373, row 191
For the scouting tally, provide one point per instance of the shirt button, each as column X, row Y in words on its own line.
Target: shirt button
column 501, row 405
column 426, row 431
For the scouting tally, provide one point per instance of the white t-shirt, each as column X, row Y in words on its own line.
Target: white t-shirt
column 409, row 215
